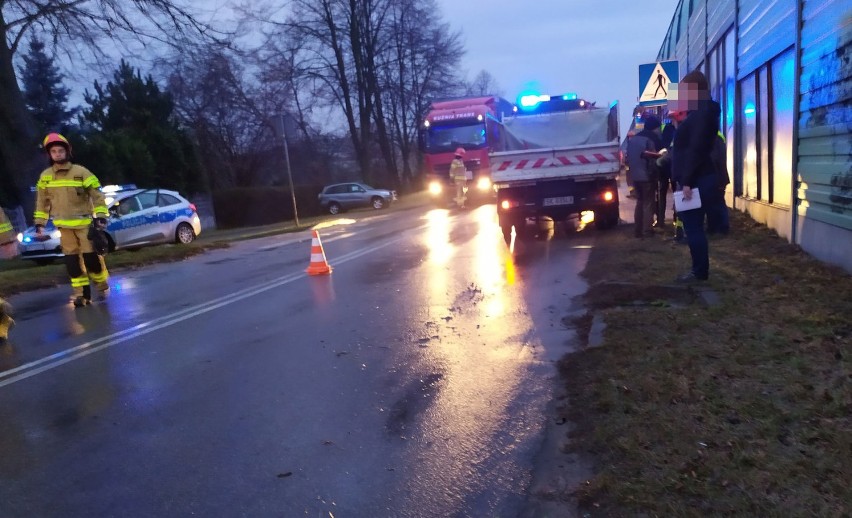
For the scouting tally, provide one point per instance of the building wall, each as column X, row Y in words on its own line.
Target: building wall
column 782, row 71
column 697, row 34
column 824, row 226
column 766, row 28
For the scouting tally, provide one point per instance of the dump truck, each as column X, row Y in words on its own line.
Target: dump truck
column 556, row 158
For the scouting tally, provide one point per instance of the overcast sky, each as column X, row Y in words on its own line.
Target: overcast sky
column 591, row 48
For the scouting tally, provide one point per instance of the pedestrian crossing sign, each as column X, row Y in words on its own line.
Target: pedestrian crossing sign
column 654, row 80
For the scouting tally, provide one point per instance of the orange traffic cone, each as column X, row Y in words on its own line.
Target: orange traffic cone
column 319, row 265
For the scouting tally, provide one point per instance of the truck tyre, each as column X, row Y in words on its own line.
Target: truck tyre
column 506, row 228
column 606, row 219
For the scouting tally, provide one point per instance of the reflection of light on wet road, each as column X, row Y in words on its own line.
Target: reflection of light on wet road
column 483, row 351
column 489, row 265
column 586, row 218
column 333, row 223
column 438, row 236
column 124, row 304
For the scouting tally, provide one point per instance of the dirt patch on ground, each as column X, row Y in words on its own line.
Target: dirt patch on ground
column 738, row 407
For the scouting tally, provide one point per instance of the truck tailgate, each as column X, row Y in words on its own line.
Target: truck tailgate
column 547, row 164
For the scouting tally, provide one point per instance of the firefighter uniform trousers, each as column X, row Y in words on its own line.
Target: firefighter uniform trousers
column 5, row 319
column 82, row 262
column 461, row 190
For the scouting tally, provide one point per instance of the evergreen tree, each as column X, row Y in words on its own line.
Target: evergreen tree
column 45, row 96
column 130, row 135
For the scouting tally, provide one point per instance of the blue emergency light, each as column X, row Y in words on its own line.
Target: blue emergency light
column 569, row 97
column 532, row 100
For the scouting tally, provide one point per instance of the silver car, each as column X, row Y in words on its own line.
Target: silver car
column 137, row 218
column 352, row 195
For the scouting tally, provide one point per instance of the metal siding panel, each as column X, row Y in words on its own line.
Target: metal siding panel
column 825, row 123
column 697, row 34
column 682, row 57
column 720, row 16
column 767, row 28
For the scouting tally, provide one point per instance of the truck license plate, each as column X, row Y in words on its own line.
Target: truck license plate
column 560, row 200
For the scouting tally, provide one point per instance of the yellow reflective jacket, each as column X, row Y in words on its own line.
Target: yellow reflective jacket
column 7, row 233
column 69, row 194
column 457, row 172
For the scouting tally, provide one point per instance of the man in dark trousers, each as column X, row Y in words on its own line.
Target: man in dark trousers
column 642, row 152
column 667, row 132
column 692, row 167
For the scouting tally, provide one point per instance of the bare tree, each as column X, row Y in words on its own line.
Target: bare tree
column 422, row 63
column 82, row 24
column 483, row 84
column 215, row 98
column 338, row 46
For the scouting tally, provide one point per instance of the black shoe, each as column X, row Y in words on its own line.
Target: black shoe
column 81, row 301
column 690, row 277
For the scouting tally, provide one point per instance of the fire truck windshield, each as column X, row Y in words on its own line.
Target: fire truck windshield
column 441, row 139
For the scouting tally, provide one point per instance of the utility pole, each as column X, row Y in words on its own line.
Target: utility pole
column 281, row 125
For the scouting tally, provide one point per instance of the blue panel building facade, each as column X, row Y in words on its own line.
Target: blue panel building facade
column 782, row 71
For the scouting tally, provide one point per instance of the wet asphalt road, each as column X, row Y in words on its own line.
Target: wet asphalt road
column 411, row 382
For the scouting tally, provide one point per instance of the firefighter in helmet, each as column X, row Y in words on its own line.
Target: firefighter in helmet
column 458, row 175
column 69, row 193
column 7, row 238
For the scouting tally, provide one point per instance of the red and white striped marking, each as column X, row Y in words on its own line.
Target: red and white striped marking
column 559, row 160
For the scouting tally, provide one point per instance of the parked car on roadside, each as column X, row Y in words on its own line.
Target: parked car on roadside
column 352, row 195
column 137, row 218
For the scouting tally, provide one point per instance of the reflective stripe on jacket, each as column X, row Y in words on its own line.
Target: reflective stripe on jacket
column 69, row 193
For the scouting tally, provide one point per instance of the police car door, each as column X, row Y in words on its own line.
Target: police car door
column 141, row 226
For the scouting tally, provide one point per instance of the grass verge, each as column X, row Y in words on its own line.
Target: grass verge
column 740, row 407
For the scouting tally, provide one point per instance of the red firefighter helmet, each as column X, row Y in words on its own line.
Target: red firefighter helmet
column 460, row 152
column 53, row 139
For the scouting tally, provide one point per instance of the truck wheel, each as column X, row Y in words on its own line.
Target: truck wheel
column 507, row 232
column 606, row 219
column 521, row 231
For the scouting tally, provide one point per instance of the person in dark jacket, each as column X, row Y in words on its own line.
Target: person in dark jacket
column 692, row 167
column 665, row 163
column 641, row 159
column 667, row 132
column 718, row 221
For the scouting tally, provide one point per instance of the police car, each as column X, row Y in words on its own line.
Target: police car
column 137, row 217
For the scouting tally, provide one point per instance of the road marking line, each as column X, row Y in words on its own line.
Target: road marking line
column 47, row 363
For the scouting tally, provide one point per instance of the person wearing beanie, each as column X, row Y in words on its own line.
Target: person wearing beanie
column 642, row 153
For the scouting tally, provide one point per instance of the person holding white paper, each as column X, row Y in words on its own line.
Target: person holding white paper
column 692, row 166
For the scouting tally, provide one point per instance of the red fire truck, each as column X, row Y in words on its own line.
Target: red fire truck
column 473, row 124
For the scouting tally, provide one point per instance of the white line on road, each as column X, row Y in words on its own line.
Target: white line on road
column 55, row 360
